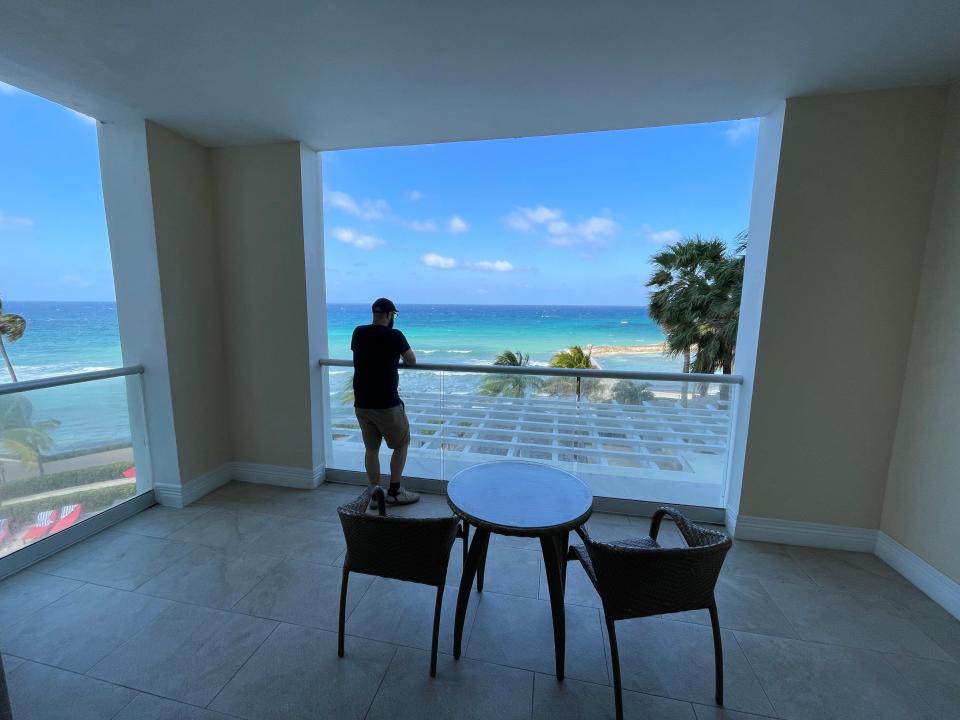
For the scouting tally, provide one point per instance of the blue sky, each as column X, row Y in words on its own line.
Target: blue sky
column 53, row 234
column 567, row 219
column 558, row 220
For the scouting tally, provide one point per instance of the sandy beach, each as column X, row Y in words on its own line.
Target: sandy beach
column 654, row 349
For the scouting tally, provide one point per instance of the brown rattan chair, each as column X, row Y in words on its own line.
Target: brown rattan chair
column 637, row 578
column 402, row 548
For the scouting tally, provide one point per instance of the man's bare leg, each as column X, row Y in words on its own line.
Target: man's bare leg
column 371, row 463
column 397, row 461
column 397, row 494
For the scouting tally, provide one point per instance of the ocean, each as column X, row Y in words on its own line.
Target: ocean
column 72, row 337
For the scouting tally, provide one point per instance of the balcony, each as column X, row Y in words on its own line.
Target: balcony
column 656, row 437
column 230, row 606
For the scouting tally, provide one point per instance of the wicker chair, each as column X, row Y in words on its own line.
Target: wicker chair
column 5, row 712
column 402, row 548
column 637, row 578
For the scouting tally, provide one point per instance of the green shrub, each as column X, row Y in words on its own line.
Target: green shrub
column 63, row 480
column 23, row 514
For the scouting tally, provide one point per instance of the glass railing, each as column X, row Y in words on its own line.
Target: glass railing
column 660, row 437
column 67, row 452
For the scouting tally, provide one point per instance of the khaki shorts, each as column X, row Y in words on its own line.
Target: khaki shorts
column 388, row 424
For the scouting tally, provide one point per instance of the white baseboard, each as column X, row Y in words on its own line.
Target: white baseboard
column 179, row 496
column 791, row 532
column 940, row 588
column 281, row 475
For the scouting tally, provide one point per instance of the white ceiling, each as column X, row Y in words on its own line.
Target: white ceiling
column 355, row 73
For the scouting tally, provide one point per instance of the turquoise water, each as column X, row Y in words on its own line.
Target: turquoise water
column 71, row 337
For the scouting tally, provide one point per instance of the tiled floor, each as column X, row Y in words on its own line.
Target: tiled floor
column 229, row 609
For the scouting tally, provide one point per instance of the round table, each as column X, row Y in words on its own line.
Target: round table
column 523, row 499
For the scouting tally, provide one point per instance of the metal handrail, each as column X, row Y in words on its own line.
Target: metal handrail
column 558, row 372
column 60, row 380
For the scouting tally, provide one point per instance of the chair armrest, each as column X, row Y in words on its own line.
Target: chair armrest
column 692, row 535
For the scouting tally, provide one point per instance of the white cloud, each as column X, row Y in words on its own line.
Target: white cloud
column 83, row 118
column 8, row 89
column 493, row 265
column 414, row 195
column 559, row 231
column 740, row 130
column 365, row 209
column 526, row 219
column 419, row 225
column 438, row 261
column 358, row 240
column 661, row 237
column 11, row 222
column 457, row 225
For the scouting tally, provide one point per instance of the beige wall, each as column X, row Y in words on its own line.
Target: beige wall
column 189, row 265
column 259, row 215
column 854, row 189
column 922, row 503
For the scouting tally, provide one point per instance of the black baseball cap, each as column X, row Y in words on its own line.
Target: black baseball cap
column 383, row 305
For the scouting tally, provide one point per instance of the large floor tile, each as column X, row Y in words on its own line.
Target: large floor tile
column 80, row 629
column 116, row 559
column 26, row 592
column 512, row 571
column 303, row 594
column 296, row 675
column 852, row 619
column 10, row 662
column 573, row 700
column 319, row 504
column 211, row 577
column 712, row 712
column 188, row 653
column 743, row 604
column 226, row 529
column 853, row 572
column 307, row 540
column 936, row 623
column 402, row 613
column 151, row 707
column 40, row 692
column 663, row 657
column 518, row 632
column 160, row 521
column 806, row 680
column 764, row 561
column 938, row 683
column 465, row 690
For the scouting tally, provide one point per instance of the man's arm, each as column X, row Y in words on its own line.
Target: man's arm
column 408, row 357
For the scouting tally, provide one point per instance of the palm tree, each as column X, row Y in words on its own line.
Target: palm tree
column 680, row 284
column 574, row 357
column 627, row 392
column 20, row 436
column 11, row 327
column 697, row 301
column 509, row 385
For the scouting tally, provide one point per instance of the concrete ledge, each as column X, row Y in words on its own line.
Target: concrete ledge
column 791, row 532
column 940, row 588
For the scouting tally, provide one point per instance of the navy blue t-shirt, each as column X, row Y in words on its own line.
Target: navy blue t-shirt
column 376, row 357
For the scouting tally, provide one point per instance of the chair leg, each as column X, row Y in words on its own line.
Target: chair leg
column 436, row 632
column 343, row 609
column 615, row 659
column 466, row 540
column 717, row 654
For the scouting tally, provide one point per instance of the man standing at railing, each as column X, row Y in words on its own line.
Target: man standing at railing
column 377, row 350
